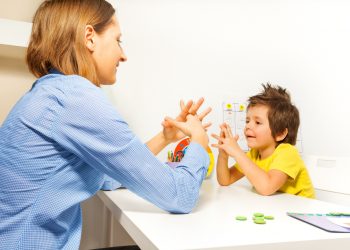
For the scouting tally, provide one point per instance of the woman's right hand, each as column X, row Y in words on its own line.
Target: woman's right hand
column 172, row 133
column 192, row 128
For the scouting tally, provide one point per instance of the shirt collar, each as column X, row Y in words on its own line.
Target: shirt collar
column 55, row 71
column 51, row 71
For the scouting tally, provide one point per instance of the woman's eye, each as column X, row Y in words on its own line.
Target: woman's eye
column 119, row 43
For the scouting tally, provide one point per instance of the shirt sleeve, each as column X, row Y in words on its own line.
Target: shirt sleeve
column 110, row 184
column 286, row 160
column 90, row 127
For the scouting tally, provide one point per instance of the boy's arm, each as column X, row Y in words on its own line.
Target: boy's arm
column 226, row 175
column 265, row 183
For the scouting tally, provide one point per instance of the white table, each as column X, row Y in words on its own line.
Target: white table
column 212, row 224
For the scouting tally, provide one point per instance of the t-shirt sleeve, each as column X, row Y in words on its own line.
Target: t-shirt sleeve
column 286, row 160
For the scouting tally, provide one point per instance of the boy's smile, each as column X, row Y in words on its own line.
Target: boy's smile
column 257, row 130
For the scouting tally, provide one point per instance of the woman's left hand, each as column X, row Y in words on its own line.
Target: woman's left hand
column 173, row 134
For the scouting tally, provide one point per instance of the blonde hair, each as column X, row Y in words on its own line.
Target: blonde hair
column 57, row 38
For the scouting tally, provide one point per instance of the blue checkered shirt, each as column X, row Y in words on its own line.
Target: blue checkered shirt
column 61, row 143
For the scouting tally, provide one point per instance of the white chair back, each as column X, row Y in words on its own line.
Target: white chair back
column 330, row 177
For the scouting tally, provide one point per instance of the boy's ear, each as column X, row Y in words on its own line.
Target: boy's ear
column 282, row 135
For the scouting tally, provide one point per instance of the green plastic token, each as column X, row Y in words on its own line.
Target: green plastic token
column 259, row 221
column 268, row 217
column 258, row 215
column 240, row 217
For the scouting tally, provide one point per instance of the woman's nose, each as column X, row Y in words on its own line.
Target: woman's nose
column 123, row 57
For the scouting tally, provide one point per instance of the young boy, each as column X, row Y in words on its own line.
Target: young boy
column 273, row 162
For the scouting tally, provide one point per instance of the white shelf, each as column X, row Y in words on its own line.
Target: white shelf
column 14, row 33
column 14, row 38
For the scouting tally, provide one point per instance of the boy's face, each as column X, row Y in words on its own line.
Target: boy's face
column 257, row 130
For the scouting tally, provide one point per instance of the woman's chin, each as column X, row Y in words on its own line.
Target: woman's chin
column 109, row 81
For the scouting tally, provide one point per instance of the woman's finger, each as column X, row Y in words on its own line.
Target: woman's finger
column 170, row 121
column 165, row 124
column 204, row 113
column 184, row 109
column 182, row 104
column 206, row 125
column 193, row 110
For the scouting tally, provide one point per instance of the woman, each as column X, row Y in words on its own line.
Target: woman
column 63, row 139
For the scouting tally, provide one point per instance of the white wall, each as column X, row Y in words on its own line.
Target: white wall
column 223, row 49
column 15, row 80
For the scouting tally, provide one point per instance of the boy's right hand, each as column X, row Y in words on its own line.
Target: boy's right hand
column 227, row 142
column 222, row 153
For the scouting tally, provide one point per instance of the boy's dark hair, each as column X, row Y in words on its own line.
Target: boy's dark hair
column 282, row 113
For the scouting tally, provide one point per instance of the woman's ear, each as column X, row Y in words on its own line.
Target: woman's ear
column 89, row 38
column 282, row 135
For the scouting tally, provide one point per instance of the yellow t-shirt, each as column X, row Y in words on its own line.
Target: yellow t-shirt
column 286, row 158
